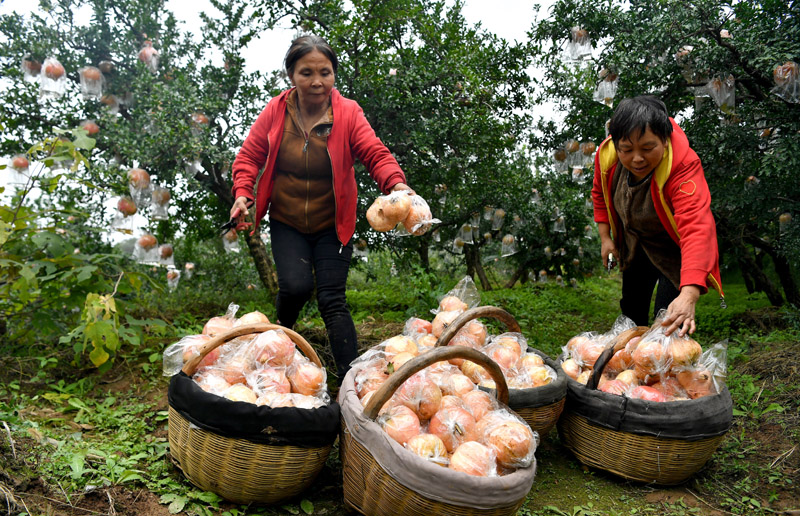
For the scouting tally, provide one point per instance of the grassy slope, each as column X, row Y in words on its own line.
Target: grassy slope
column 87, row 430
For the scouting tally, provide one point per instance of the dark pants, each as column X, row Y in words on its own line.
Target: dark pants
column 638, row 281
column 300, row 259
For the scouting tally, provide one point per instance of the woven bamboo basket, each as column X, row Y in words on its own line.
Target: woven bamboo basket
column 237, row 469
column 539, row 407
column 646, row 455
column 371, row 490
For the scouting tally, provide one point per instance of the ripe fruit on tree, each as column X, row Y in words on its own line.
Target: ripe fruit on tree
column 231, row 236
column 91, row 73
column 199, row 118
column 53, row 69
column 19, row 163
column 165, row 251
column 147, row 242
column 106, row 66
column 161, row 196
column 138, row 178
column 90, row 127
column 126, row 206
column 172, row 275
column 31, row 66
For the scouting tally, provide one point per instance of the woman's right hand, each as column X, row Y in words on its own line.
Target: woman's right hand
column 607, row 247
column 239, row 212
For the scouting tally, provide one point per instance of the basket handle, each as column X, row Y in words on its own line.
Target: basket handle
column 476, row 313
column 422, row 361
column 615, row 345
column 190, row 367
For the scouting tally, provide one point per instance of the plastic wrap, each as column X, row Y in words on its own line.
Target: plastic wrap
column 579, row 46
column 453, row 426
column 160, row 203
column 230, row 241
column 145, row 250
column 218, row 325
column 400, row 423
column 387, row 211
column 415, row 327
column 419, row 219
column 266, row 378
column 307, row 378
column 606, row 89
column 466, row 296
column 559, row 225
column 139, row 186
column 31, row 69
column 421, row 394
column 428, row 447
column 787, row 82
column 178, row 353
column 274, row 348
column 498, row 217
column 52, row 80
column 509, row 437
column 465, row 233
column 149, row 56
column 91, row 82
column 165, row 255
column 508, row 245
column 173, row 278
column 188, row 270
column 723, row 91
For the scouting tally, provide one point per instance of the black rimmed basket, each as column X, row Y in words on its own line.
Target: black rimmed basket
column 243, row 452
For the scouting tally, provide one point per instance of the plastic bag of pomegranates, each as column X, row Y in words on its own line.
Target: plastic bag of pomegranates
column 387, row 211
column 218, row 325
column 418, row 220
column 462, row 296
column 787, row 81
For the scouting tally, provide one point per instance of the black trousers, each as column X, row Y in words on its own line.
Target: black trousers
column 301, row 261
column 638, row 281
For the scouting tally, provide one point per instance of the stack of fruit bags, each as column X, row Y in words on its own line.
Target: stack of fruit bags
column 648, row 364
column 260, row 368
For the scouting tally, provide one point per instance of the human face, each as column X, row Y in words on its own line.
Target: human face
column 313, row 76
column 641, row 154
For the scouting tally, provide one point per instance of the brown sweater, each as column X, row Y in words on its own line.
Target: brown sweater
column 302, row 196
column 641, row 228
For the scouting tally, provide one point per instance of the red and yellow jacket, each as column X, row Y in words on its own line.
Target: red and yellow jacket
column 351, row 137
column 683, row 203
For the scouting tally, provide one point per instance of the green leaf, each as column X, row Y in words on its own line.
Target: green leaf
column 209, row 497
column 50, row 242
column 178, row 505
column 773, row 407
column 291, row 509
column 307, row 507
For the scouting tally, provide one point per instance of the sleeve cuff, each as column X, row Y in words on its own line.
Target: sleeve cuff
column 696, row 277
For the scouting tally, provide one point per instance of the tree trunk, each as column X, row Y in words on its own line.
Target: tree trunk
column 749, row 283
column 472, row 256
column 263, row 262
column 422, row 251
column 763, row 283
column 784, row 270
column 516, row 276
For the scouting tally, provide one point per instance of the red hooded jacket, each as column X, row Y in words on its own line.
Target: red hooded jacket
column 351, row 137
column 683, row 203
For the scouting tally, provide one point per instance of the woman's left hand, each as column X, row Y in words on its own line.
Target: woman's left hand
column 402, row 186
column 680, row 313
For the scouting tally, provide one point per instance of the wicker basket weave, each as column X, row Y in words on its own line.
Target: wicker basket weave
column 644, row 455
column 371, row 490
column 237, row 469
column 539, row 407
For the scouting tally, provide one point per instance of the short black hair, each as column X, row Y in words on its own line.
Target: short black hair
column 637, row 114
column 304, row 45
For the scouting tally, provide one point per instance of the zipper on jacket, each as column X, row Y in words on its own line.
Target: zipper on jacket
column 335, row 201
column 308, row 178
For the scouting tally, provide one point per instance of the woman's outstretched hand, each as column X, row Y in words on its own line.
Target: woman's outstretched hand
column 680, row 313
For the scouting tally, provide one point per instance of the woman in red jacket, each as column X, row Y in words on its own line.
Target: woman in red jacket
column 653, row 210
column 306, row 140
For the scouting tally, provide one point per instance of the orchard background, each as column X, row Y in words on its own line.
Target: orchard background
column 86, row 314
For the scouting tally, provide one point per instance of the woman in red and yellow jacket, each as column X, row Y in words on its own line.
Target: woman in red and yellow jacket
column 653, row 210
column 306, row 140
